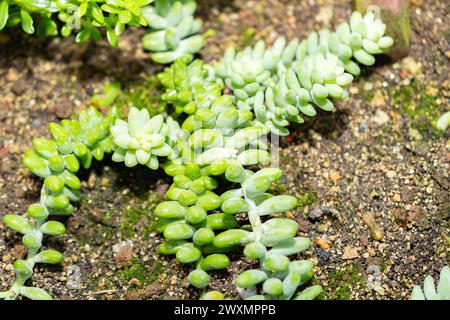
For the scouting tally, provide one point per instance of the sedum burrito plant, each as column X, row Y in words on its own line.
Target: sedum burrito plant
column 174, row 30
column 430, row 292
column 284, row 83
column 75, row 143
column 270, row 241
column 216, row 205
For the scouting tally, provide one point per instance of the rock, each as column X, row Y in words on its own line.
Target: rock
column 123, row 251
column 161, row 189
column 415, row 134
column 396, row 198
column 395, row 14
column 376, row 231
column 391, row 174
column 323, row 256
column 19, row 87
column 378, row 99
column 303, row 226
column 381, row 117
column 131, row 295
column 318, row 211
column 323, row 243
column 153, row 289
column 19, row 251
column 350, row 253
column 335, row 176
column 410, row 67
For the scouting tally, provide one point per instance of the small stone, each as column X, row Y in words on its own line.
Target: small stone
column 378, row 99
column 20, row 86
column 124, row 251
column 161, row 189
column 381, row 117
column 323, row 256
column 105, row 182
column 19, row 251
column 335, row 176
column 303, row 226
column 391, row 174
column 350, row 253
column 410, row 66
column 134, row 282
column 368, row 86
column 376, row 232
column 323, row 243
column 396, row 198
column 132, row 295
column 415, row 134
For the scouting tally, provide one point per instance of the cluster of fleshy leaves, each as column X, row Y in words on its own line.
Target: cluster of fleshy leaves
column 74, row 143
column 288, row 81
column 430, row 292
column 173, row 29
column 220, row 136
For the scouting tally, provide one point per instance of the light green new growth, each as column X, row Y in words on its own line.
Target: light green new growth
column 174, row 32
column 430, row 292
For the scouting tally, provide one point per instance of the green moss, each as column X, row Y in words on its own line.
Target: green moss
column 419, row 105
column 342, row 282
column 307, row 199
column 140, row 209
column 145, row 273
column 278, row 188
column 141, row 93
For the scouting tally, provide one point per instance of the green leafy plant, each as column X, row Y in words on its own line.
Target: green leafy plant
column 75, row 142
column 286, row 81
column 430, row 292
column 173, row 28
column 219, row 138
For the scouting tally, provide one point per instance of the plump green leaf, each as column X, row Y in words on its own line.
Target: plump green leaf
column 4, row 14
column 34, row 293
column 18, row 223
column 27, row 21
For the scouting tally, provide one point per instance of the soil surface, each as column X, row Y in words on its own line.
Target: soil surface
column 372, row 178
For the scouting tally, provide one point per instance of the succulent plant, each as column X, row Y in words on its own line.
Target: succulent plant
column 141, row 139
column 430, row 292
column 360, row 40
column 270, row 242
column 220, row 137
column 174, row 33
column 189, row 85
column 283, row 83
column 253, row 69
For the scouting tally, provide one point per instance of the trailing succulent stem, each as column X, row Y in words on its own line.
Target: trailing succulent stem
column 75, row 143
column 220, row 137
